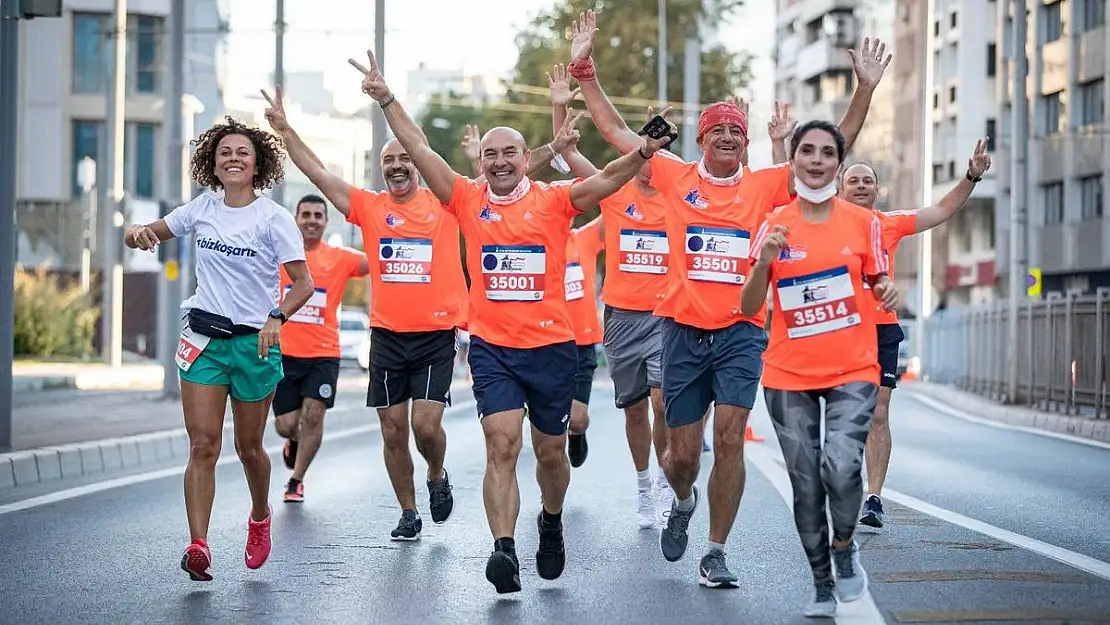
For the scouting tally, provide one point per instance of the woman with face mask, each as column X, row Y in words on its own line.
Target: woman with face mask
column 814, row 255
column 229, row 345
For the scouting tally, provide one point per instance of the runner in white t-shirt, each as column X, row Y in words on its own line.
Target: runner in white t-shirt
column 229, row 346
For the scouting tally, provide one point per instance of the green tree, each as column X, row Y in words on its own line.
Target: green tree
column 444, row 121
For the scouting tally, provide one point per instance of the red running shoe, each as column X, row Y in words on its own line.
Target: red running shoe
column 196, row 560
column 258, row 540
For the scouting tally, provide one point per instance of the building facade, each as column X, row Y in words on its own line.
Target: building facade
column 1067, row 157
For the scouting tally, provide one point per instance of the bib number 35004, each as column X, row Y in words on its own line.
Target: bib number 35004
column 514, row 273
column 189, row 348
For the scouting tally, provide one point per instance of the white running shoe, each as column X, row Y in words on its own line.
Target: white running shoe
column 664, row 497
column 645, row 512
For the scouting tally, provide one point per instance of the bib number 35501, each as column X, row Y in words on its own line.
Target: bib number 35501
column 514, row 273
column 189, row 348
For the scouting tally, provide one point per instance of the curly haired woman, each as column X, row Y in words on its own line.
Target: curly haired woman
column 229, row 345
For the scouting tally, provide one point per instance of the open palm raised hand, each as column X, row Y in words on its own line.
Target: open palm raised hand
column 870, row 62
column 583, row 31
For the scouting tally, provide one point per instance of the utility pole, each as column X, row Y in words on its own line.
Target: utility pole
column 279, row 75
column 1019, row 218
column 377, row 117
column 925, row 267
column 111, row 321
column 691, row 99
column 661, row 56
column 9, row 123
column 169, row 318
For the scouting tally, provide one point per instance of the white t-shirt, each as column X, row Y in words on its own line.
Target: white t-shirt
column 238, row 252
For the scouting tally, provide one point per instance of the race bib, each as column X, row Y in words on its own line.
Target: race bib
column 514, row 273
column 189, row 348
column 405, row 260
column 575, row 282
column 717, row 254
column 644, row 251
column 313, row 310
column 818, row 303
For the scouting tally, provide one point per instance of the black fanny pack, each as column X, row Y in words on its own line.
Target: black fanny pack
column 216, row 326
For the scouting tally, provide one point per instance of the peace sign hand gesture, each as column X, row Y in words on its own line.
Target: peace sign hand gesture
column 980, row 161
column 782, row 122
column 568, row 134
column 275, row 114
column 373, row 83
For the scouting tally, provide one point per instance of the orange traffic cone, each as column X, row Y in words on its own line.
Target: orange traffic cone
column 749, row 435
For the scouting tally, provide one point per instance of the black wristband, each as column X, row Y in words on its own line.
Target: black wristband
column 968, row 176
column 390, row 100
column 640, row 150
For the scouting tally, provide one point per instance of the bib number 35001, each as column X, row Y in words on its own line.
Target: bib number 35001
column 514, row 273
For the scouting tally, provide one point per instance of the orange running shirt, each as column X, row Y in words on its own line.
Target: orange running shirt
column 710, row 223
column 821, row 334
column 896, row 225
column 638, row 252
column 417, row 283
column 313, row 331
column 581, row 282
column 516, row 249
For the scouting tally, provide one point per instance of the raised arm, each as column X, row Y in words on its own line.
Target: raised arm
column 869, row 65
column 779, row 128
column 768, row 243
column 436, row 172
column 561, row 97
column 605, row 116
column 337, row 190
column 933, row 216
column 587, row 193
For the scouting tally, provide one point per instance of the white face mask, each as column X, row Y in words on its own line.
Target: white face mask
column 815, row 196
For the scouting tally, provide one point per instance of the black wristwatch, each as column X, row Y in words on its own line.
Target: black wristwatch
column 968, row 176
column 277, row 314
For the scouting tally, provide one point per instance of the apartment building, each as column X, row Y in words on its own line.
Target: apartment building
column 1066, row 86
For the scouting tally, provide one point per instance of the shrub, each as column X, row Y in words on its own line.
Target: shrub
column 52, row 319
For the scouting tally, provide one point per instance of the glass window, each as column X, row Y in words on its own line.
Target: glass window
column 146, row 39
column 90, row 53
column 145, row 159
column 86, row 142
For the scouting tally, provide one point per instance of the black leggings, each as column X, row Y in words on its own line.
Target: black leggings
column 817, row 471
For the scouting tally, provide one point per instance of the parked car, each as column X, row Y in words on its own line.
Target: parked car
column 354, row 338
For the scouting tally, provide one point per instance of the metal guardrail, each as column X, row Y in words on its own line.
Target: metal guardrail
column 1062, row 355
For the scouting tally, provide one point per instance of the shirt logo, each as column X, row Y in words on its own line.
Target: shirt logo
column 696, row 244
column 394, row 220
column 645, row 243
column 792, row 253
column 633, row 212
column 489, row 214
column 399, row 252
column 847, row 251
column 220, row 247
column 693, row 198
column 813, row 294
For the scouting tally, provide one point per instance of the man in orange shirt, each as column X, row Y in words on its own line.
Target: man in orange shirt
column 419, row 299
column 583, row 246
column 310, row 344
column 711, row 351
column 522, row 350
column 861, row 186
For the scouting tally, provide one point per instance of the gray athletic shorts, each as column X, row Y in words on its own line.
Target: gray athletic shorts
column 633, row 344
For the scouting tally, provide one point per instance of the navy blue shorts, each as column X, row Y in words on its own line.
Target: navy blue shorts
column 584, row 377
column 701, row 367
column 890, row 335
column 510, row 378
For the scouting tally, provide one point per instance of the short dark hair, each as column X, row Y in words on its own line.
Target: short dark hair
column 311, row 198
column 818, row 124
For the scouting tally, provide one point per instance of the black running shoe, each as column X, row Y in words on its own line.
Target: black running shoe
column 503, row 571
column 442, row 502
column 408, row 528
column 551, row 557
column 289, row 453
column 872, row 512
column 578, row 449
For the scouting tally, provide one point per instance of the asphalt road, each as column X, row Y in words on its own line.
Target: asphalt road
column 112, row 556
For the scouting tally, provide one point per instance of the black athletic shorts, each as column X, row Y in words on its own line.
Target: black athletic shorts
column 584, row 373
column 410, row 365
column 305, row 377
column 890, row 335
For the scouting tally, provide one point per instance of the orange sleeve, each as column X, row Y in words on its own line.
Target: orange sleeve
column 876, row 261
column 354, row 262
column 760, row 239
column 667, row 165
column 777, row 180
column 589, row 238
column 362, row 201
column 904, row 223
column 463, row 192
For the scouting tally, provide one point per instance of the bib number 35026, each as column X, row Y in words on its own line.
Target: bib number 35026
column 189, row 348
column 514, row 273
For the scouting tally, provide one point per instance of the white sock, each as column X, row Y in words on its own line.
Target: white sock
column 643, row 479
column 686, row 505
column 716, row 546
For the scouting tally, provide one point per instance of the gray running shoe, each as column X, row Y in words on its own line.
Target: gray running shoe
column 673, row 536
column 714, row 573
column 824, row 602
column 851, row 579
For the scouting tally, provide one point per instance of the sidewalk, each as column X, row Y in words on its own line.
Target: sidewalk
column 136, row 373
column 67, row 433
column 983, row 408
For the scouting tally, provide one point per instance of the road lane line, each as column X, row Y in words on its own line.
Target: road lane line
column 1060, row 554
column 149, row 476
column 863, row 611
column 960, row 414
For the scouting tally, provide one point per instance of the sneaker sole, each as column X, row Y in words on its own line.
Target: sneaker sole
column 294, row 500
column 405, row 539
column 704, row 581
column 848, row 599
column 197, row 574
column 502, row 574
column 870, row 520
column 820, row 613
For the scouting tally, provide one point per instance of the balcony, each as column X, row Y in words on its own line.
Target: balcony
column 1092, row 54
column 820, row 57
column 1054, row 66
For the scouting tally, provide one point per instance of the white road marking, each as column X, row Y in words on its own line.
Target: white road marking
column 960, row 414
column 863, row 611
column 149, row 476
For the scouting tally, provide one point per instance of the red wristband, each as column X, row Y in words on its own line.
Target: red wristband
column 583, row 70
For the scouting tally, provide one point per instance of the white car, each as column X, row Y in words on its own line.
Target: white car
column 354, row 338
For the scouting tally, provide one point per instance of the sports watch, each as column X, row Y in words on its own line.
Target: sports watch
column 277, row 314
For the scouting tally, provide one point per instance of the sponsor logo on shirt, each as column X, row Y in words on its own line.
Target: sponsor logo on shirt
column 394, row 220
column 220, row 247
column 792, row 253
column 633, row 212
column 488, row 214
column 693, row 198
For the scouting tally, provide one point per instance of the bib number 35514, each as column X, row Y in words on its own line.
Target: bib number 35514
column 189, row 348
column 514, row 273
column 818, row 303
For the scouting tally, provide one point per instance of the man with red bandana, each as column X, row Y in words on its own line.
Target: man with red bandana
column 712, row 353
